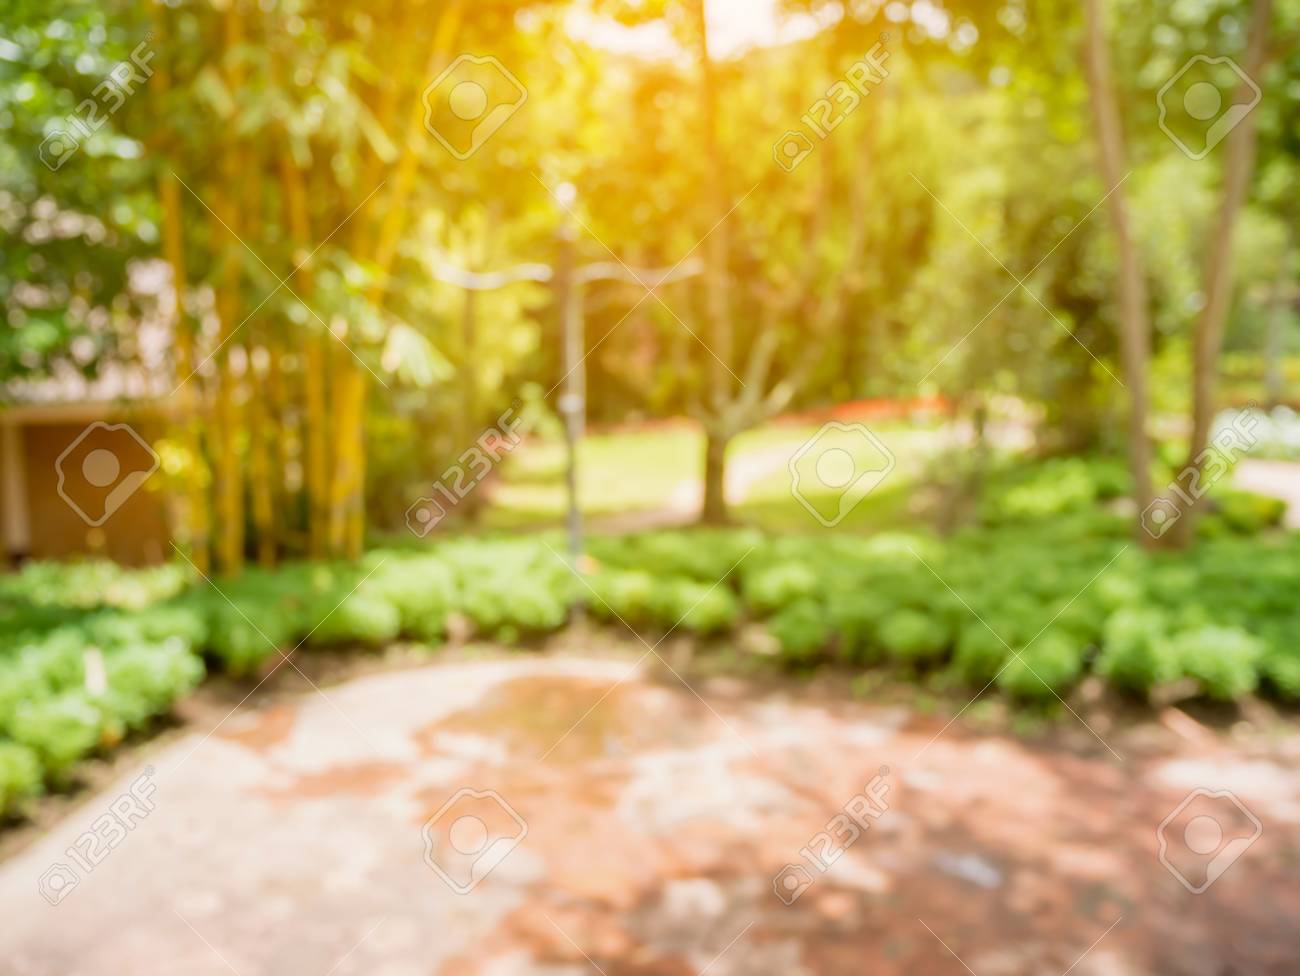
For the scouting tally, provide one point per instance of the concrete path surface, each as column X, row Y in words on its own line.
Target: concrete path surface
column 564, row 816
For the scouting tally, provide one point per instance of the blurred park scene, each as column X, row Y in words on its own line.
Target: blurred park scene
column 638, row 487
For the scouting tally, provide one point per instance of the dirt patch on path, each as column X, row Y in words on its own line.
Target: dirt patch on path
column 632, row 826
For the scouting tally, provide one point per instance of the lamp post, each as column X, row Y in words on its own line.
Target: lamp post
column 573, row 401
column 569, row 281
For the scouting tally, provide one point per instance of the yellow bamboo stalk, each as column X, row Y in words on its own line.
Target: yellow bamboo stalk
column 195, row 522
column 347, row 508
column 284, row 434
column 230, row 498
column 316, row 366
column 318, row 459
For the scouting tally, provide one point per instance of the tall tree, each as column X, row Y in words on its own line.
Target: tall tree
column 1207, row 338
column 1134, row 314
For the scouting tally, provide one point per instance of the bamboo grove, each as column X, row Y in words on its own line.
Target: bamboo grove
column 271, row 405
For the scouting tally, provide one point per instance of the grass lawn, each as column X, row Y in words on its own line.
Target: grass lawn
column 659, row 468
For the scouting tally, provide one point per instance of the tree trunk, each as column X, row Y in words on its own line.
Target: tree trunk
column 230, row 482
column 716, row 247
column 714, row 511
column 1238, row 164
column 350, row 379
column 1275, row 347
column 262, row 496
column 1134, row 315
column 194, row 525
column 315, row 366
column 348, row 391
column 195, row 522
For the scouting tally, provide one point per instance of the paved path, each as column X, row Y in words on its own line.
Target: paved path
column 290, row 842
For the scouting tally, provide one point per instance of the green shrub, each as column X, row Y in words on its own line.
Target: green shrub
column 1222, row 659
column 698, row 607
column 911, row 637
column 149, row 626
column 1245, row 512
column 360, row 618
column 802, row 629
column 627, row 595
column 1282, row 671
column 979, row 655
column 22, row 679
column 143, row 681
column 772, row 587
column 60, row 730
column 20, row 776
column 1050, row 664
column 1049, row 489
column 1135, row 652
column 244, row 636
column 422, row 590
column 855, row 617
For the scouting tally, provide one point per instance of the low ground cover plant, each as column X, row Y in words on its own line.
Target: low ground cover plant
column 1029, row 606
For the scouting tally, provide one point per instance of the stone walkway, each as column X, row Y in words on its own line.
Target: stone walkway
column 621, row 825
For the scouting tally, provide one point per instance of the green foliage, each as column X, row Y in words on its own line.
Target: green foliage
column 144, row 680
column 20, row 776
column 979, row 655
column 1135, row 653
column 910, row 636
column 624, row 594
column 359, row 618
column 421, row 590
column 60, row 730
column 802, row 628
column 1223, row 659
column 1052, row 488
column 1044, row 669
column 1223, row 615
column 245, row 634
column 699, row 608
column 778, row 585
column 1246, row 513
